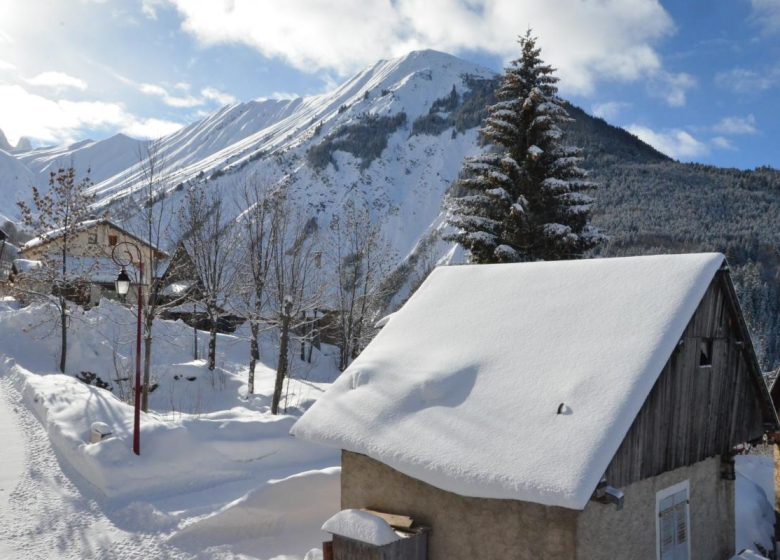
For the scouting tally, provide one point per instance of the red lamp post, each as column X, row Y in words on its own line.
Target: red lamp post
column 122, row 286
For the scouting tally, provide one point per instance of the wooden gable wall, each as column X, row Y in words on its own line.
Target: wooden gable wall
column 694, row 412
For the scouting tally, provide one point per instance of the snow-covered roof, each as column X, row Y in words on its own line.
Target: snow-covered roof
column 55, row 233
column 82, row 226
column 461, row 389
column 176, row 288
column 361, row 526
column 26, row 265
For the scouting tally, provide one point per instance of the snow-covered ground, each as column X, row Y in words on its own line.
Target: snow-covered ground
column 218, row 475
column 755, row 498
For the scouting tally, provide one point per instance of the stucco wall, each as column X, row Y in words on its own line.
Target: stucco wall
column 605, row 533
column 462, row 528
column 474, row 528
column 79, row 245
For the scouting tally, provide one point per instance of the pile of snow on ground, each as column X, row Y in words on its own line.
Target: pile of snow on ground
column 206, row 449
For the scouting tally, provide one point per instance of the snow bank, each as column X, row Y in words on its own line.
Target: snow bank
column 361, row 526
column 175, row 455
column 282, row 517
column 748, row 555
column 479, row 360
column 200, row 431
column 754, row 499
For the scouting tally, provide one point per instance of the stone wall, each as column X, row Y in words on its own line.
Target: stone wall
column 487, row 529
column 462, row 528
column 605, row 533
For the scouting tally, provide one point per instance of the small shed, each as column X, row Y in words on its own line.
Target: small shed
column 572, row 410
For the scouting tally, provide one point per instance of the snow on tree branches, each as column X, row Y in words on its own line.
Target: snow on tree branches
column 524, row 199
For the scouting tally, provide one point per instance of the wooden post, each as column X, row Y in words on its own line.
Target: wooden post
column 776, row 454
column 327, row 550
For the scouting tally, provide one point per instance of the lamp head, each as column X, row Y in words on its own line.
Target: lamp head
column 122, row 283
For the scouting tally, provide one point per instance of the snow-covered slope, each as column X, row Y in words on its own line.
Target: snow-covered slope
column 15, row 181
column 376, row 107
column 102, row 159
column 330, row 144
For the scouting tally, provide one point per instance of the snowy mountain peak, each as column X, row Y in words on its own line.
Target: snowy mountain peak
column 24, row 144
column 364, row 140
column 4, row 144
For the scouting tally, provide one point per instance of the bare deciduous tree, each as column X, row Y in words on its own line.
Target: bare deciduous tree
column 295, row 287
column 209, row 239
column 259, row 226
column 155, row 223
column 359, row 258
column 57, row 216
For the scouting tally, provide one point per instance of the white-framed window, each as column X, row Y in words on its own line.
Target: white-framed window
column 673, row 522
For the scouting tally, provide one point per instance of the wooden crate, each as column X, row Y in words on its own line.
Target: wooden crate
column 414, row 547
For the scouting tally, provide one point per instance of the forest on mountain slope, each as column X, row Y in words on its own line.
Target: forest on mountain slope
column 648, row 203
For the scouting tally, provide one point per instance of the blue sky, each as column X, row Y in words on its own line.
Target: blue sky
column 697, row 79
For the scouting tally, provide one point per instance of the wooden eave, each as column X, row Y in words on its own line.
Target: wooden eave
column 767, row 403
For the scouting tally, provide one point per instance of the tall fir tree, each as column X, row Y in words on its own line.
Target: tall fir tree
column 525, row 199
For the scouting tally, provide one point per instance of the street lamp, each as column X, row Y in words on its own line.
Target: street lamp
column 3, row 238
column 122, row 286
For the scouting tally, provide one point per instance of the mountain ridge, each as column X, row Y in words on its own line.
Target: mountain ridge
column 393, row 137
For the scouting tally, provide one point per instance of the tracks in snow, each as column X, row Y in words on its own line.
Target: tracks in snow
column 48, row 517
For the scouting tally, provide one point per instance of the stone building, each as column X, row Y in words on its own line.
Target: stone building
column 570, row 410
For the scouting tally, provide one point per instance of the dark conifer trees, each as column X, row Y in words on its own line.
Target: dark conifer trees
column 525, row 197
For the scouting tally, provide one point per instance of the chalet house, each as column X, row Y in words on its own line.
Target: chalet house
column 89, row 259
column 571, row 410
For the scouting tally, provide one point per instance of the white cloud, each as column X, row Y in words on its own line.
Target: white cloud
column 207, row 94
column 5, row 65
column 675, row 143
column 745, row 80
column 53, row 120
column 586, row 41
column 672, row 88
column 149, row 8
column 181, row 102
column 766, row 13
column 213, row 94
column 279, row 96
column 731, row 126
column 723, row 143
column 150, row 128
column 57, row 80
column 609, row 110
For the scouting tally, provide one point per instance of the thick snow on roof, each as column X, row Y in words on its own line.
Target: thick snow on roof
column 82, row 226
column 461, row 389
column 26, row 265
column 361, row 526
column 55, row 233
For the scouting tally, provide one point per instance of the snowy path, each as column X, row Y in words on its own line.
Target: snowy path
column 11, row 465
column 45, row 515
